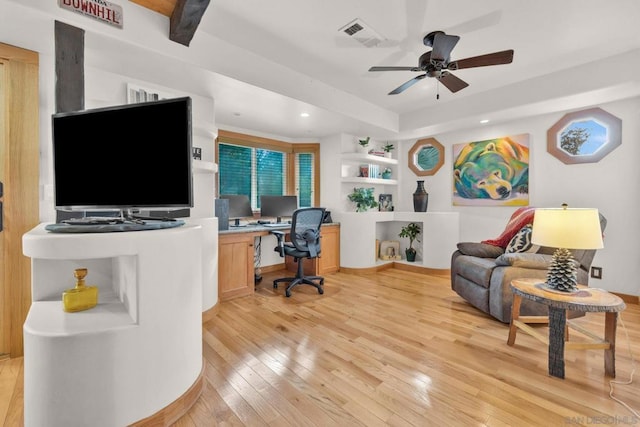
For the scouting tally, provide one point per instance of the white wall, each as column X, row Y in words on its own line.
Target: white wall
column 140, row 53
column 137, row 54
column 611, row 185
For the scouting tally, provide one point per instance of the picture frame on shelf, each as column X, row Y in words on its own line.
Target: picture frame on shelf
column 136, row 94
column 385, row 203
column 389, row 250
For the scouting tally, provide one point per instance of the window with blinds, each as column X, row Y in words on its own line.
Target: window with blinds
column 250, row 166
column 305, row 182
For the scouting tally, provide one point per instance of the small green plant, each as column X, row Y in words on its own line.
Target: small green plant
column 364, row 142
column 387, row 148
column 386, row 173
column 410, row 231
column 363, row 198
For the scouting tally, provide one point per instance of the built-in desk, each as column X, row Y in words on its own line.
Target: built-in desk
column 236, row 254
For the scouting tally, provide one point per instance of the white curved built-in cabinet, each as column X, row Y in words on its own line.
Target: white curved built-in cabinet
column 360, row 230
column 135, row 353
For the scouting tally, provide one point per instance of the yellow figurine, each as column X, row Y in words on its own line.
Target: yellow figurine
column 81, row 297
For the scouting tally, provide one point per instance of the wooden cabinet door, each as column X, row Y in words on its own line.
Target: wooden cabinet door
column 329, row 261
column 235, row 264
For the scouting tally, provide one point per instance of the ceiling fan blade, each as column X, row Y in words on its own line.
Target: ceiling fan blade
column 443, row 44
column 393, row 68
column 415, row 12
column 496, row 58
column 452, row 82
column 408, row 84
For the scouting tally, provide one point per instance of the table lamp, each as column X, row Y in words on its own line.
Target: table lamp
column 565, row 229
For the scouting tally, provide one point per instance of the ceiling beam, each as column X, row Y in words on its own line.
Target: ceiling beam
column 163, row 7
column 185, row 19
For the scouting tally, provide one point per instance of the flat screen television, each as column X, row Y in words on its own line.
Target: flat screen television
column 125, row 157
column 278, row 207
column 239, row 207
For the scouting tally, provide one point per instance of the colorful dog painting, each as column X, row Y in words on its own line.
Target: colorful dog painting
column 494, row 172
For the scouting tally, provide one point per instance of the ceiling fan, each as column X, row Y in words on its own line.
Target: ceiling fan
column 437, row 63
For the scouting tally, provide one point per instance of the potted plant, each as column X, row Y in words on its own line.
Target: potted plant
column 410, row 231
column 363, row 144
column 386, row 173
column 363, row 198
column 387, row 149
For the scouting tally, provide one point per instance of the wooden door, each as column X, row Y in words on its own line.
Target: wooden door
column 5, row 319
column 19, row 173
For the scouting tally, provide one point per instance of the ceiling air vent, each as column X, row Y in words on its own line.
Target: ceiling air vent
column 362, row 32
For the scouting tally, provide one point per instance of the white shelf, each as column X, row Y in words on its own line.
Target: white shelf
column 438, row 237
column 361, row 180
column 201, row 166
column 369, row 158
column 47, row 318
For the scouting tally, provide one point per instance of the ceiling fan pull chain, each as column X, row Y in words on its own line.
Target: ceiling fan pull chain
column 438, row 88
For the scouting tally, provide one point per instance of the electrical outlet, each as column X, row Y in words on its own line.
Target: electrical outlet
column 596, row 272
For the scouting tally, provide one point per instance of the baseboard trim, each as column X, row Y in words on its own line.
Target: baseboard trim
column 629, row 299
column 444, row 272
column 171, row 413
column 275, row 267
column 210, row 313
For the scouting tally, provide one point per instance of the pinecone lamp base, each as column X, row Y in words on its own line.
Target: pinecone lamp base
column 562, row 274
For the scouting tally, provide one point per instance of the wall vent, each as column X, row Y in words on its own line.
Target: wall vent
column 363, row 33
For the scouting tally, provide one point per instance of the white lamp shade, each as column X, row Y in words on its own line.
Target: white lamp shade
column 567, row 228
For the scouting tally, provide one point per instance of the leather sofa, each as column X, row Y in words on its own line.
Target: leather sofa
column 481, row 273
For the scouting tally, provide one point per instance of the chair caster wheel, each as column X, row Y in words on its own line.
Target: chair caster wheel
column 275, row 285
column 322, row 281
column 320, row 291
column 287, row 294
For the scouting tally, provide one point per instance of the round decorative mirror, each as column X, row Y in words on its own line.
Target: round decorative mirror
column 426, row 157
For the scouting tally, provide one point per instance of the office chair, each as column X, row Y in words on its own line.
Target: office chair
column 305, row 243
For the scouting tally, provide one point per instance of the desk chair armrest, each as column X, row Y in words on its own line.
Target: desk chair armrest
column 280, row 236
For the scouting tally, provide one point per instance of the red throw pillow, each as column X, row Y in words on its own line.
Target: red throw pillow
column 520, row 218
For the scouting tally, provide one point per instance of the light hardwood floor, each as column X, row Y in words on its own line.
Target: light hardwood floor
column 394, row 348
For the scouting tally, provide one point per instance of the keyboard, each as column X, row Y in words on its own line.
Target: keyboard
column 277, row 224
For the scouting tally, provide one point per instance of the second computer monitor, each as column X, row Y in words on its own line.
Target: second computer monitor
column 278, row 207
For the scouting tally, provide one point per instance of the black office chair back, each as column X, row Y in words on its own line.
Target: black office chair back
column 305, row 230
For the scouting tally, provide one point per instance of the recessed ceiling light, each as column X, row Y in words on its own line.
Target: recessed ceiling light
column 304, row 114
column 484, row 121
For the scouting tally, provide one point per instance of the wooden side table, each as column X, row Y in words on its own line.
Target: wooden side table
column 586, row 300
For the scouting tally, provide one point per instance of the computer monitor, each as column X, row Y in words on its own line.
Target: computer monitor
column 239, row 207
column 278, row 206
